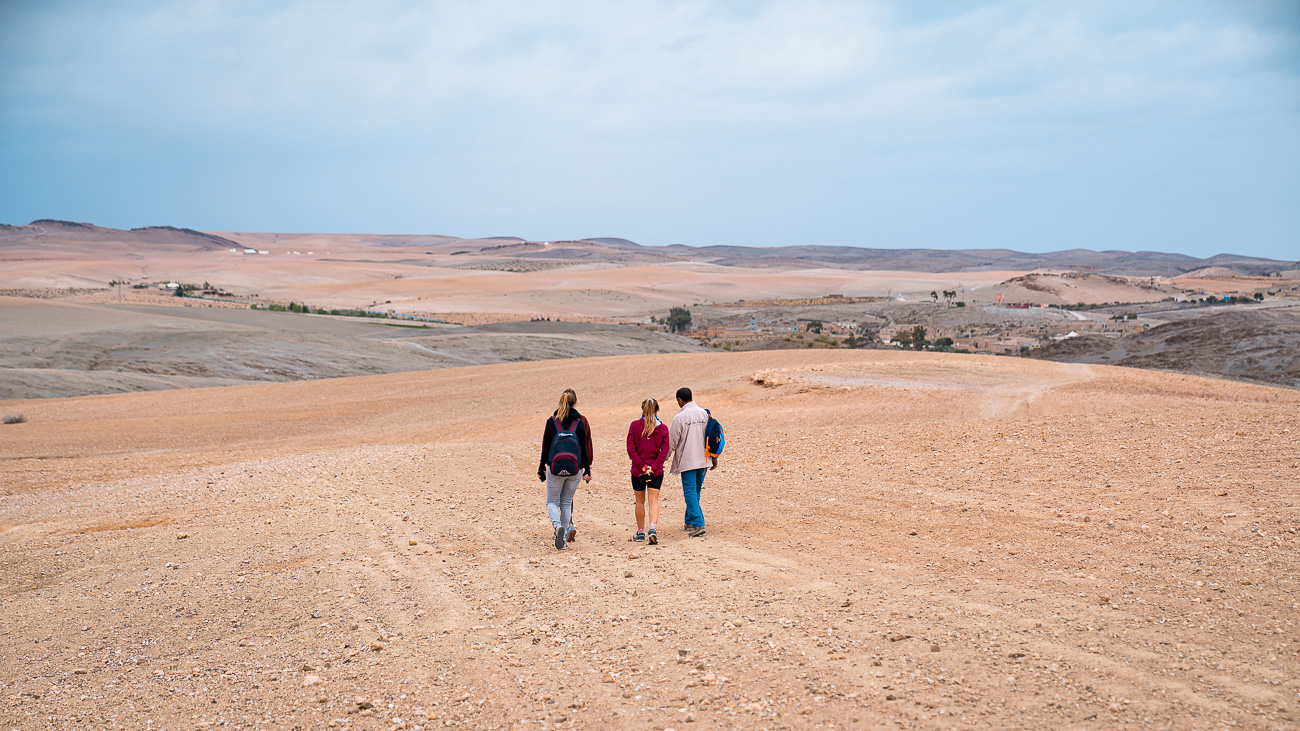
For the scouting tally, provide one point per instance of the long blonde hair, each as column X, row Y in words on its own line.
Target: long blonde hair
column 568, row 400
column 649, row 408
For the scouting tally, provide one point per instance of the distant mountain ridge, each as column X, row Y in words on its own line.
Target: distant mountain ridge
column 625, row 251
column 49, row 230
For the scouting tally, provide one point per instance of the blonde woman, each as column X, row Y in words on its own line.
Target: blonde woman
column 647, row 445
column 564, row 462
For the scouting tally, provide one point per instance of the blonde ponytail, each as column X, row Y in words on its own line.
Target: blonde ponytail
column 567, row 401
column 649, row 408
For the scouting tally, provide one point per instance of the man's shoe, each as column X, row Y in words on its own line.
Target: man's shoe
column 695, row 531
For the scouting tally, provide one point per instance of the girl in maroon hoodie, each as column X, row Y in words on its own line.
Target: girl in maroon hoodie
column 647, row 445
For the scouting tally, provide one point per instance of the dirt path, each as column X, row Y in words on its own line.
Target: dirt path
column 1099, row 552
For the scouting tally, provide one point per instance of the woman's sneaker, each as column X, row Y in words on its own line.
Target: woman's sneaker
column 559, row 537
column 652, row 536
column 639, row 536
column 573, row 533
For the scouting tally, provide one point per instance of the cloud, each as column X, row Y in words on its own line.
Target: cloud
column 558, row 114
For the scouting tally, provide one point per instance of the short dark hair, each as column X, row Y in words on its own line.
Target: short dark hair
column 684, row 394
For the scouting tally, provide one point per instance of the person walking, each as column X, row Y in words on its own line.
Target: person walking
column 573, row 529
column 690, row 456
column 647, row 445
column 564, row 462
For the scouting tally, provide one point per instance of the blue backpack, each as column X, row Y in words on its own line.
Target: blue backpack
column 566, row 450
column 714, row 439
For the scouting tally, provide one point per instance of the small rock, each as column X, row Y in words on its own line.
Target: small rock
column 634, row 555
column 377, row 646
column 315, row 614
column 413, row 542
column 627, row 574
column 934, row 648
column 80, row 671
column 182, row 536
column 607, row 678
column 900, row 638
column 311, row 680
column 890, row 697
column 911, row 533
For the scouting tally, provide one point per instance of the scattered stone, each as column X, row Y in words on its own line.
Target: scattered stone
column 911, row 533
column 627, row 574
column 80, row 671
column 315, row 614
column 311, row 680
column 182, row 536
column 413, row 542
column 900, row 638
column 934, row 648
column 377, row 646
column 634, row 555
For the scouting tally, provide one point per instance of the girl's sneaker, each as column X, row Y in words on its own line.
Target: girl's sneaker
column 652, row 537
column 559, row 538
column 573, row 533
column 639, row 536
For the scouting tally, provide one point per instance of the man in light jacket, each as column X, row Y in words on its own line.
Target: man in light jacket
column 690, row 458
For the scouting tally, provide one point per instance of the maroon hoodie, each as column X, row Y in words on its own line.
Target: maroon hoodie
column 651, row 450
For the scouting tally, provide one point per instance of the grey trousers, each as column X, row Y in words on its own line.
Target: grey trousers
column 559, row 497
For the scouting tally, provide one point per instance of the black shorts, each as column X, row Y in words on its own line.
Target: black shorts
column 641, row 482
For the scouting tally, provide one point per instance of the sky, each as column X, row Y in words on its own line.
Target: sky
column 1035, row 126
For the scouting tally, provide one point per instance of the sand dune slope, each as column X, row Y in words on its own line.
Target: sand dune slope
column 915, row 539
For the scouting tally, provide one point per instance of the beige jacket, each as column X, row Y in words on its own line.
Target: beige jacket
column 686, row 437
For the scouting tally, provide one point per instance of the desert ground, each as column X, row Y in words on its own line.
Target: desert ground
column 86, row 310
column 895, row 539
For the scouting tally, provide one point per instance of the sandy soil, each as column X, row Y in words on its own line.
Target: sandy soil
column 910, row 540
column 53, row 348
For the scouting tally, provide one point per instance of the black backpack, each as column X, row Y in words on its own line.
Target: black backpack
column 566, row 450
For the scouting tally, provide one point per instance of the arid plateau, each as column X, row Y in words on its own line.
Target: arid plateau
column 191, row 538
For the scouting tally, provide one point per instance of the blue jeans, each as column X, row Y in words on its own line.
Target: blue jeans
column 692, row 483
